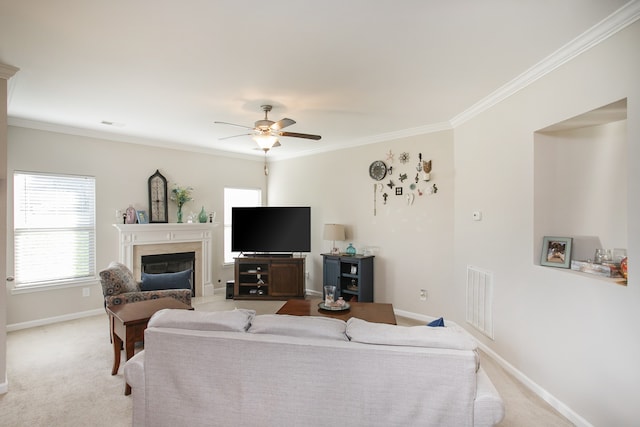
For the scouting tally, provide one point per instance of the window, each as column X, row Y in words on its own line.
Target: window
column 237, row 197
column 54, row 229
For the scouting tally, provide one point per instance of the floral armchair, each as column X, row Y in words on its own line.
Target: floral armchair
column 120, row 287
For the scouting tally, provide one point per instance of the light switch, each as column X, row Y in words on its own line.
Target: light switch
column 477, row 215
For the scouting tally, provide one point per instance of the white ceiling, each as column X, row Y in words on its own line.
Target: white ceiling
column 352, row 71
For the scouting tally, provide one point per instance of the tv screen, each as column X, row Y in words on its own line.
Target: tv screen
column 271, row 229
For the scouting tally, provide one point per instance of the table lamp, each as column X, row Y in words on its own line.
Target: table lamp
column 334, row 232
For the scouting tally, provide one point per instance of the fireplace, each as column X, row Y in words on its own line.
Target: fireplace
column 141, row 240
column 170, row 263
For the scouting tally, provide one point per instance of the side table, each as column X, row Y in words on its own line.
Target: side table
column 128, row 322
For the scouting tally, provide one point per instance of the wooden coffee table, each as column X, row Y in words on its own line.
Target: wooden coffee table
column 128, row 322
column 369, row 311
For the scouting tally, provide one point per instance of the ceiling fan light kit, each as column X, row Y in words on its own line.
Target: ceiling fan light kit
column 265, row 141
column 266, row 132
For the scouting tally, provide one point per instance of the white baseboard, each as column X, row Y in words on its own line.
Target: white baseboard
column 526, row 381
column 558, row 405
column 414, row 316
column 311, row 292
column 55, row 319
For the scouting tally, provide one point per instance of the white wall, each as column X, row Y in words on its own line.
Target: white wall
column 121, row 172
column 575, row 336
column 413, row 244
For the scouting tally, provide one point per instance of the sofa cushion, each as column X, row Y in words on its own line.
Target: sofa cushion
column 237, row 320
column 154, row 282
column 299, row 326
column 359, row 330
column 117, row 279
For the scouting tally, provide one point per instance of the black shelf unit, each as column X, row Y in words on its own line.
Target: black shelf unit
column 352, row 275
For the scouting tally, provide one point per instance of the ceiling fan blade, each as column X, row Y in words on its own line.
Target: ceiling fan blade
column 234, row 136
column 281, row 124
column 300, row 135
column 232, row 124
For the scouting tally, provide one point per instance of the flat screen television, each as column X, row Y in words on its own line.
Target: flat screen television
column 271, row 229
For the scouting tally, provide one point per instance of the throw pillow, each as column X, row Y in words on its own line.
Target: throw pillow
column 155, row 282
column 299, row 326
column 233, row 320
column 437, row 322
column 359, row 330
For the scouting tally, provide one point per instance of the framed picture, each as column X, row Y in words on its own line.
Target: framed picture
column 142, row 217
column 556, row 252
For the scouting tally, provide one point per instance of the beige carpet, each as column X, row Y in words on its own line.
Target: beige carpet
column 60, row 375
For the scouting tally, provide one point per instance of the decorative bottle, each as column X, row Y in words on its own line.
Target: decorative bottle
column 203, row 216
column 350, row 250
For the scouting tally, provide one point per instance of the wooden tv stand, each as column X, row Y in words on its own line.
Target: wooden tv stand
column 275, row 278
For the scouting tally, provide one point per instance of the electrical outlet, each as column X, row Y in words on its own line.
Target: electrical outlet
column 86, row 292
column 423, row 294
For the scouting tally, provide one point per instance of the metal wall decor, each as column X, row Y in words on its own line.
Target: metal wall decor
column 419, row 178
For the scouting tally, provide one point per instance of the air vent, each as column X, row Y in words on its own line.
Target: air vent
column 480, row 299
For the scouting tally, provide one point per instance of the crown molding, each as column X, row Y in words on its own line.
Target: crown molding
column 373, row 139
column 129, row 139
column 7, row 71
column 618, row 20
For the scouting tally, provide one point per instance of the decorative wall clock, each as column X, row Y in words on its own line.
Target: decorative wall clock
column 158, row 211
column 378, row 170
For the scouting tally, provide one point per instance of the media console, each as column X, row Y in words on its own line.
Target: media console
column 264, row 277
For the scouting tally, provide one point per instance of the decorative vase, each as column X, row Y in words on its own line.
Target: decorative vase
column 203, row 216
column 350, row 250
column 179, row 214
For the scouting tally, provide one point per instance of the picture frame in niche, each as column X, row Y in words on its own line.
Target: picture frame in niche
column 556, row 251
column 142, row 217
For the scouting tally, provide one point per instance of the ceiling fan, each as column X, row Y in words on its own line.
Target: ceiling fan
column 266, row 132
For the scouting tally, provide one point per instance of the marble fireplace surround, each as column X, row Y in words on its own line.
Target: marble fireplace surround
column 137, row 240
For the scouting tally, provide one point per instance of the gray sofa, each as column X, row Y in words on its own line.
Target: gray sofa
column 237, row 369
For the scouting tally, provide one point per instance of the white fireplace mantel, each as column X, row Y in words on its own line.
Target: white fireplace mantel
column 135, row 240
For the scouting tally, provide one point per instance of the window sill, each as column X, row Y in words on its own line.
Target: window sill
column 27, row 289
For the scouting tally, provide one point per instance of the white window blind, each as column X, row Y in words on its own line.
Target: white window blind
column 54, row 228
column 242, row 198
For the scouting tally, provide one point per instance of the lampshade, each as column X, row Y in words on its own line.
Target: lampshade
column 333, row 232
column 265, row 140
